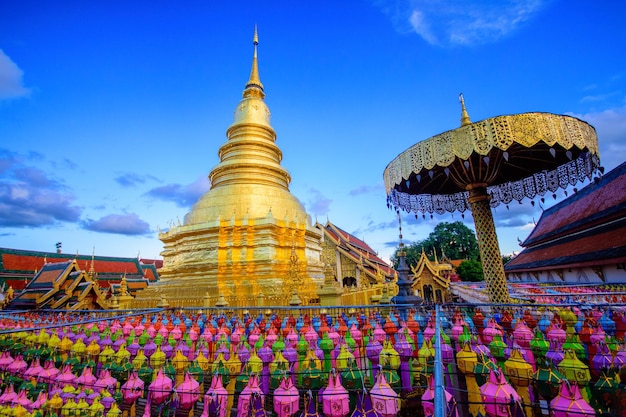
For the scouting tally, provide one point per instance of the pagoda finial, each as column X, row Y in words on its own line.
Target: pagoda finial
column 401, row 244
column 254, row 85
column 465, row 119
column 92, row 270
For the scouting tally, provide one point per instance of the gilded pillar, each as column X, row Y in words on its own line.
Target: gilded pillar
column 490, row 255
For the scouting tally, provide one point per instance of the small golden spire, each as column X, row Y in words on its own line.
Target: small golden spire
column 465, row 119
column 92, row 270
column 254, row 84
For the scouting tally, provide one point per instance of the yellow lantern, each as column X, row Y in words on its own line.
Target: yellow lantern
column 466, row 360
column 575, row 371
column 520, row 374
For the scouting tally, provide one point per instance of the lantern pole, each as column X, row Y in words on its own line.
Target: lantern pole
column 440, row 404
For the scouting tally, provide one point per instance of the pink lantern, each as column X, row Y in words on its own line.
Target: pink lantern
column 49, row 372
column 428, row 401
column 151, row 331
column 497, row 394
column 127, row 329
column 5, row 360
column 491, row 331
column 569, row 402
column 215, row 399
column 286, row 398
column 379, row 334
column 38, row 404
column 18, row 366
column 457, row 329
column 384, row 398
column 243, row 406
column 22, row 399
column 176, row 333
column 8, row 395
column 292, row 338
column 335, row 400
column 132, row 388
column 34, row 369
column 188, row 392
column 67, row 377
column 160, row 388
column 556, row 333
column 105, row 382
column 86, row 378
column 522, row 334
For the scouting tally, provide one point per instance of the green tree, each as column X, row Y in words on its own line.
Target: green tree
column 455, row 240
column 470, row 270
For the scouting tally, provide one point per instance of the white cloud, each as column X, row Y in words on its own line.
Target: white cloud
column 611, row 128
column 123, row 224
column 318, row 204
column 421, row 26
column 11, row 85
column 449, row 22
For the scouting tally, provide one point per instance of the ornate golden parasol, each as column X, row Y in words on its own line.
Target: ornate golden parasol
column 495, row 161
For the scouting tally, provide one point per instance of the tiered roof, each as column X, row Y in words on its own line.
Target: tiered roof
column 60, row 285
column 357, row 250
column 586, row 229
column 18, row 267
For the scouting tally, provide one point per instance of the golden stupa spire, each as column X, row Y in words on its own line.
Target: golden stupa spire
column 465, row 119
column 254, row 85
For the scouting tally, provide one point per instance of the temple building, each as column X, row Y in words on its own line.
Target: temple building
column 247, row 240
column 580, row 240
column 353, row 268
column 431, row 279
column 62, row 285
column 18, row 267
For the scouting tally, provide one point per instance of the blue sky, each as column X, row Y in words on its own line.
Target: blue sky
column 111, row 113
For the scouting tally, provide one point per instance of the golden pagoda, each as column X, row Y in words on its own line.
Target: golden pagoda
column 247, row 241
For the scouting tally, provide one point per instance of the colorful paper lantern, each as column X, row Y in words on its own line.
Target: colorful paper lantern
column 569, row 402
column 384, row 399
column 335, row 401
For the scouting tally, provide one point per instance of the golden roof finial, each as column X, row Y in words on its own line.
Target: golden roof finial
column 465, row 119
column 92, row 270
column 254, row 85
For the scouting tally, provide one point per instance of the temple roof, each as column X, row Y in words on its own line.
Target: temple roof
column 357, row 249
column 586, row 229
column 60, row 285
column 18, row 266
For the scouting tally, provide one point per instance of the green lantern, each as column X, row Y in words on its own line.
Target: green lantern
column 243, row 378
column 312, row 376
column 497, row 347
column 539, row 345
column 145, row 373
column 482, row 369
column 573, row 343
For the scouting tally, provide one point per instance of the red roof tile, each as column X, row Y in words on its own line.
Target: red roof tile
column 588, row 228
column 594, row 204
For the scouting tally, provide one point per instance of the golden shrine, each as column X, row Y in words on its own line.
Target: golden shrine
column 431, row 279
column 248, row 241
